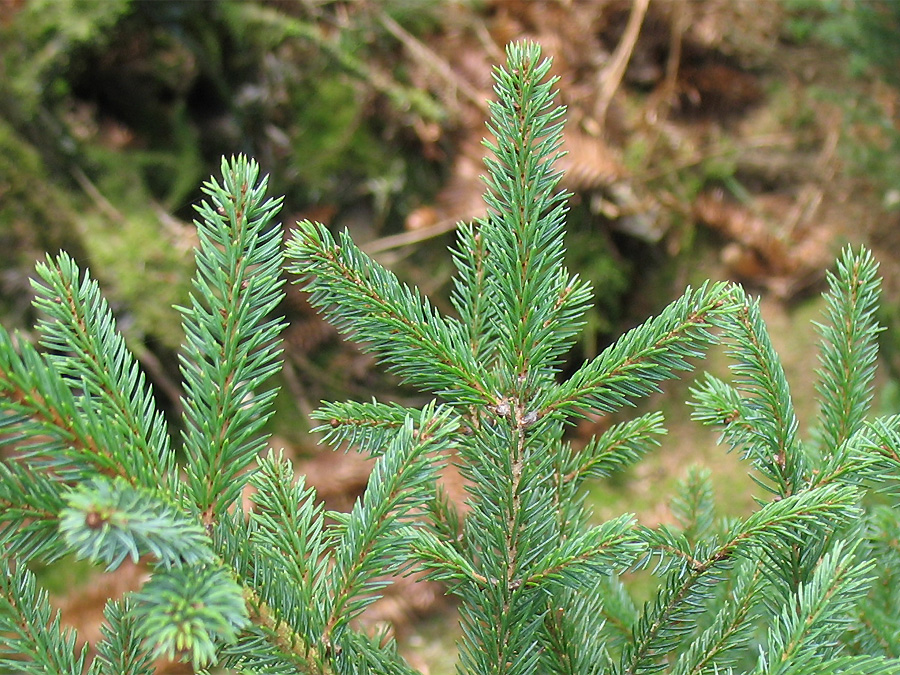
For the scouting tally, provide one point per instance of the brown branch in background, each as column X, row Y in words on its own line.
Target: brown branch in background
column 676, row 39
column 410, row 237
column 435, row 63
column 102, row 203
column 611, row 75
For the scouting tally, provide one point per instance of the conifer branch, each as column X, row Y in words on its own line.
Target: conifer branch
column 401, row 480
column 361, row 653
column 121, row 651
column 367, row 426
column 717, row 403
column 818, row 609
column 875, row 629
column 882, row 441
column 693, row 505
column 445, row 519
column 93, row 358
column 849, row 348
column 760, row 375
column 653, row 352
column 361, row 297
column 30, row 629
column 615, row 449
column 851, row 462
column 667, row 620
column 110, row 520
column 596, row 552
column 715, row 644
column 471, row 295
column 571, row 646
column 618, row 610
column 532, row 295
column 443, row 561
column 61, row 437
column 283, row 633
column 30, row 504
column 232, row 345
column 259, row 649
column 191, row 611
column 842, row 665
column 289, row 534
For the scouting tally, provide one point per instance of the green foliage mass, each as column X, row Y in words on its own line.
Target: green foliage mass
column 106, row 107
column 276, row 584
column 41, row 41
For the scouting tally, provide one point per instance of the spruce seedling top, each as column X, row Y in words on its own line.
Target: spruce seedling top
column 522, row 560
column 537, row 584
column 278, row 587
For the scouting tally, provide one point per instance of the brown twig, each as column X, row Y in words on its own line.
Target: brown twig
column 611, row 75
column 435, row 62
column 406, row 238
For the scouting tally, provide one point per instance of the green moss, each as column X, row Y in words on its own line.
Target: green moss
column 34, row 207
column 141, row 256
column 143, row 267
column 60, row 577
column 41, row 38
column 36, row 215
column 331, row 140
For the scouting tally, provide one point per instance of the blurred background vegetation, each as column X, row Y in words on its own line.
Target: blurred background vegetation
column 743, row 139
